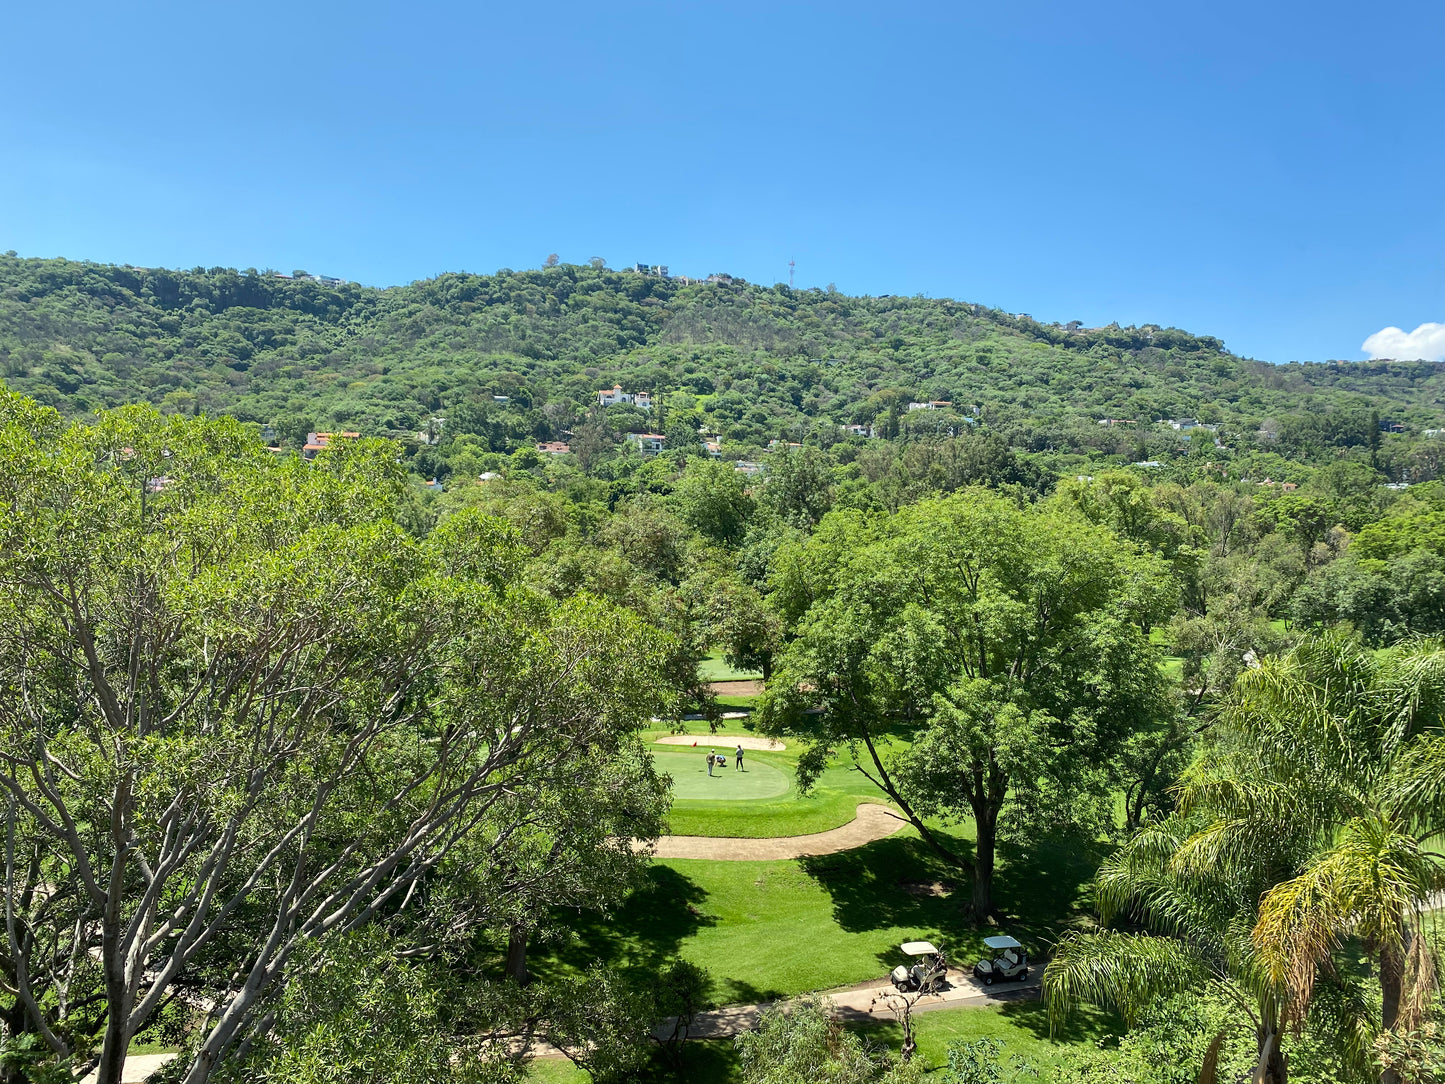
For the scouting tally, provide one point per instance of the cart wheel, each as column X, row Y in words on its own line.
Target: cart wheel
column 1024, row 975
column 988, row 980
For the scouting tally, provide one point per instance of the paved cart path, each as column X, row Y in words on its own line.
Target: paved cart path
column 869, row 1002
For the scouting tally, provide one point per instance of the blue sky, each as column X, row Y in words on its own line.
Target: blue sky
column 1271, row 173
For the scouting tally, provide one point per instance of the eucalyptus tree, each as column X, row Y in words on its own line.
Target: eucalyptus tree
column 241, row 709
column 1006, row 644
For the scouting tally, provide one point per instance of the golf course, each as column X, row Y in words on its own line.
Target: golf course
column 823, row 922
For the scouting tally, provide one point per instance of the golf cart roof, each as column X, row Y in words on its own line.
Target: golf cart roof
column 919, row 948
column 1001, row 941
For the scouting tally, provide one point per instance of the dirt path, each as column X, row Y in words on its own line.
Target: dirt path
column 138, row 1067
column 740, row 687
column 873, row 822
column 723, row 742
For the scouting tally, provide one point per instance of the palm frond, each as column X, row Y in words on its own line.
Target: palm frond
column 1372, row 884
column 1415, row 788
column 1119, row 971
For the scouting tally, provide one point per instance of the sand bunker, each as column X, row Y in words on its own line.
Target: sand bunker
column 722, row 741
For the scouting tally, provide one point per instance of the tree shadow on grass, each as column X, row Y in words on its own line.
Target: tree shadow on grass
column 1039, row 890
column 738, row 992
column 647, row 929
column 869, row 889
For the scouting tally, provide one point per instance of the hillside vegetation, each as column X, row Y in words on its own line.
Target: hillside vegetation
column 744, row 362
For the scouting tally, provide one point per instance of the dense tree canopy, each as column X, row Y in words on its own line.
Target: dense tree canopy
column 243, row 710
column 1009, row 645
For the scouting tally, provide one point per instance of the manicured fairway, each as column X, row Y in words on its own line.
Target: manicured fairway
column 690, row 779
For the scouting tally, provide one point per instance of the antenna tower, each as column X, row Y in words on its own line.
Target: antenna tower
column 791, row 264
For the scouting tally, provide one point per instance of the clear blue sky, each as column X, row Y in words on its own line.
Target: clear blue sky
column 1271, row 173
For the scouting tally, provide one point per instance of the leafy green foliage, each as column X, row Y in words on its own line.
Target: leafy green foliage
column 517, row 356
column 803, row 1041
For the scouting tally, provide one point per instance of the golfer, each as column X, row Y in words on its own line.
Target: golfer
column 711, row 759
column 739, row 755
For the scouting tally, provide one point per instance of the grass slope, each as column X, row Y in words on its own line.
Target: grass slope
column 771, row 929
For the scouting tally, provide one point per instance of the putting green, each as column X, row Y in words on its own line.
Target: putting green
column 690, row 778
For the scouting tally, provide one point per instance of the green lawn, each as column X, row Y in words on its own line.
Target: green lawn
column 713, row 668
column 730, row 702
column 833, row 801
column 766, row 930
column 770, row 929
column 1021, row 1027
column 692, row 781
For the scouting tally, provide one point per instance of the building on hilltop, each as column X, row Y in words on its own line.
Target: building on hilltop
column 553, row 447
column 647, row 443
column 932, row 404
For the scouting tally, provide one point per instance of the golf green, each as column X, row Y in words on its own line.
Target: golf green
column 690, row 779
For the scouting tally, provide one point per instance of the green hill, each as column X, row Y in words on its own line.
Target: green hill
column 521, row 354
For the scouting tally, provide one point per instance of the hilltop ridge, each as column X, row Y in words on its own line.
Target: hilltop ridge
column 532, row 348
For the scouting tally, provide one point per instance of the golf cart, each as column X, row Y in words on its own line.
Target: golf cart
column 1012, row 962
column 926, row 974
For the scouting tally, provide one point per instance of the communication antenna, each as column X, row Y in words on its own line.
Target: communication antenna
column 791, row 264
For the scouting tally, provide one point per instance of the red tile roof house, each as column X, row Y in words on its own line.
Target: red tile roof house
column 554, row 447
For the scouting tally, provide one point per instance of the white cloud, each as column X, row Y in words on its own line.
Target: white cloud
column 1426, row 342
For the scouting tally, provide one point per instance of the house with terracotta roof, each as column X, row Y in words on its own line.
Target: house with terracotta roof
column 553, row 447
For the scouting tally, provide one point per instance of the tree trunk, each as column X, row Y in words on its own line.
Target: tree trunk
column 1392, row 987
column 885, row 783
column 517, row 954
column 1392, row 984
column 983, row 862
column 1272, row 1067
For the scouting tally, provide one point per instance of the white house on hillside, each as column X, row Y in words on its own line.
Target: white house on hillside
column 642, row 400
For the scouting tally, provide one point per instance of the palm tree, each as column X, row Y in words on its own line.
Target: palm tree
column 1335, row 756
column 1305, row 815
column 1193, row 934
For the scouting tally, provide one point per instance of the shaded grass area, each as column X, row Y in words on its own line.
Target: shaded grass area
column 1022, row 1027
column 732, row 702
column 771, row 929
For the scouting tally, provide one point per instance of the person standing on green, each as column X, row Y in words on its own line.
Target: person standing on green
column 711, row 759
column 739, row 756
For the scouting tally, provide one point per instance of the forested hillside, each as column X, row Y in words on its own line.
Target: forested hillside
column 747, row 363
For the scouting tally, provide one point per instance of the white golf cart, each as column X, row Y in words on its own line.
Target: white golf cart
column 1011, row 961
column 927, row 974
